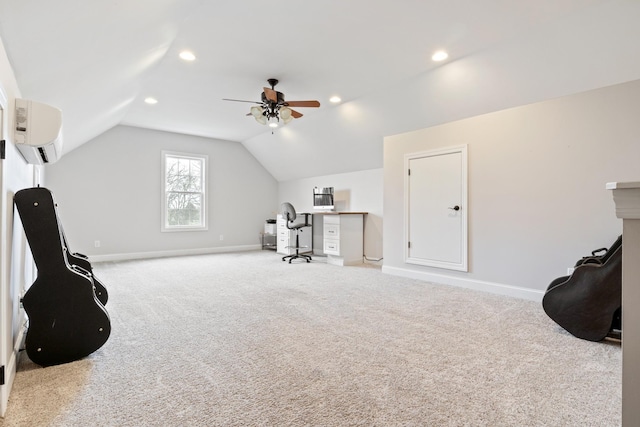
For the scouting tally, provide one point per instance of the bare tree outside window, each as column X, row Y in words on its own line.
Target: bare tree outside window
column 184, row 191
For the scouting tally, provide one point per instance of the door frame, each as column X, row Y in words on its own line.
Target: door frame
column 463, row 265
column 6, row 309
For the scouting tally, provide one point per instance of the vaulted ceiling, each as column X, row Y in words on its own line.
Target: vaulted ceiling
column 98, row 60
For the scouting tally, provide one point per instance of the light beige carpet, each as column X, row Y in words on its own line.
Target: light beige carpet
column 247, row 340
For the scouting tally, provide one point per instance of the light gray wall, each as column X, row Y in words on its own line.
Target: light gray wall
column 537, row 175
column 109, row 190
column 356, row 192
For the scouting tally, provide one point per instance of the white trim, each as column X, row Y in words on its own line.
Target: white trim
column 4, row 124
column 12, row 363
column 172, row 253
column 6, row 311
column 464, row 201
column 478, row 285
column 626, row 196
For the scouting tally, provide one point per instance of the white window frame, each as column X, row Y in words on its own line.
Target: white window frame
column 204, row 222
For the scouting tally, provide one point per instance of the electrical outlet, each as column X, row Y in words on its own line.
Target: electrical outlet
column 222, row 237
column 96, row 243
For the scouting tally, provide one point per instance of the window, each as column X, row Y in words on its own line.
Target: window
column 184, row 195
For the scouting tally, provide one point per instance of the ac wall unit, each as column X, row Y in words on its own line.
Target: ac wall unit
column 38, row 131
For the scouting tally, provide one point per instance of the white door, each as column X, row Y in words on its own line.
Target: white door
column 436, row 208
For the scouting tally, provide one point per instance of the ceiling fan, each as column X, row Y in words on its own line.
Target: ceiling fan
column 272, row 108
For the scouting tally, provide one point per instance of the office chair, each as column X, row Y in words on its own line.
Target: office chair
column 289, row 215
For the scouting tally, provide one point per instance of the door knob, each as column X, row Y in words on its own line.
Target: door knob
column 455, row 208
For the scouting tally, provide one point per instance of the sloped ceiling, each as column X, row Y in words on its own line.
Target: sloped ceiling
column 98, row 61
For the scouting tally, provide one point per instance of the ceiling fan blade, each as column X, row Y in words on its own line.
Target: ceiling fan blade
column 271, row 94
column 302, row 103
column 241, row 100
column 295, row 114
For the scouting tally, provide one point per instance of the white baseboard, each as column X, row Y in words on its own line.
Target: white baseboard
column 12, row 364
column 177, row 252
column 479, row 285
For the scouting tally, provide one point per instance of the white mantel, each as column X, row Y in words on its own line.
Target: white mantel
column 626, row 196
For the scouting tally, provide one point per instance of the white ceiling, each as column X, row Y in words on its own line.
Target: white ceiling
column 98, row 60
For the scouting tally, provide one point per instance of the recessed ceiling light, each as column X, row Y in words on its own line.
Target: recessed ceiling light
column 440, row 55
column 335, row 99
column 150, row 100
column 187, row 55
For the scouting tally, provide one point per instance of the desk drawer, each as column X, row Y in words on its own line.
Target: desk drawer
column 282, row 225
column 282, row 244
column 285, row 239
column 331, row 247
column 331, row 231
column 284, row 232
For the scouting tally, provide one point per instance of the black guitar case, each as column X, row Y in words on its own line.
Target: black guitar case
column 588, row 303
column 66, row 319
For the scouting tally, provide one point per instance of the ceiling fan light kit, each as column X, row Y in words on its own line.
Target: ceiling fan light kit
column 286, row 115
column 272, row 108
column 258, row 113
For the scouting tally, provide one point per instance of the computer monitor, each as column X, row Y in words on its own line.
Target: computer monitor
column 323, row 198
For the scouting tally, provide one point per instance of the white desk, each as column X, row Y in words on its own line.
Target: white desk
column 343, row 237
